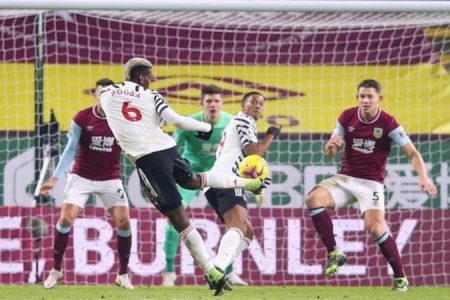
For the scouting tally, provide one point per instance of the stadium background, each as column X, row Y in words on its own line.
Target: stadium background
column 308, row 75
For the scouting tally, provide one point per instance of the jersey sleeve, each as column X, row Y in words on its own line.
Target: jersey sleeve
column 70, row 150
column 246, row 131
column 399, row 136
column 340, row 125
column 339, row 130
column 160, row 104
column 396, row 132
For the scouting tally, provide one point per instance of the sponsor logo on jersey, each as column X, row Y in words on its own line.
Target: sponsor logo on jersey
column 377, row 132
column 102, row 143
column 365, row 146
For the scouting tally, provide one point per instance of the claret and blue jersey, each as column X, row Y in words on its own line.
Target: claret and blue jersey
column 367, row 144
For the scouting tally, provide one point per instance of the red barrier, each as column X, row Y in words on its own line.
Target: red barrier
column 286, row 249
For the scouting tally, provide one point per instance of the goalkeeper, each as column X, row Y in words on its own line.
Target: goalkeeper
column 201, row 154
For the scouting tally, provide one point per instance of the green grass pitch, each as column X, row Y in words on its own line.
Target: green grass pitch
column 29, row 292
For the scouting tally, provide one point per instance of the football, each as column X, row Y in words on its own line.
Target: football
column 254, row 166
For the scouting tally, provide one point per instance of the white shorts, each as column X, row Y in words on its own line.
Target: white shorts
column 110, row 192
column 347, row 190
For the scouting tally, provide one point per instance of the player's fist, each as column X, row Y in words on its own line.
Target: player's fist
column 48, row 186
column 336, row 141
column 274, row 130
column 205, row 135
column 333, row 145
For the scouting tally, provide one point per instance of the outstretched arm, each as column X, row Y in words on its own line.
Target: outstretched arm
column 417, row 162
column 65, row 159
column 261, row 147
column 186, row 123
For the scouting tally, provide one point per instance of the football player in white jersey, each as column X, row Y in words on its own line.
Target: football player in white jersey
column 135, row 114
column 239, row 139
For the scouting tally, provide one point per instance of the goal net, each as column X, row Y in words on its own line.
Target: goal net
column 306, row 64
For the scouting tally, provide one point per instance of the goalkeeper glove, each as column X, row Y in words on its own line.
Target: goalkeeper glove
column 274, row 130
column 205, row 135
column 264, row 185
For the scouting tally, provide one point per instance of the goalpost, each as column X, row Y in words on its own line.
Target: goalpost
column 306, row 57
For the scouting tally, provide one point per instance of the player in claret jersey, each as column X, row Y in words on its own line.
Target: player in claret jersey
column 135, row 114
column 96, row 171
column 367, row 133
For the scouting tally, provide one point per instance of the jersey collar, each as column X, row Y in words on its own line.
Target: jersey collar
column 370, row 122
column 96, row 114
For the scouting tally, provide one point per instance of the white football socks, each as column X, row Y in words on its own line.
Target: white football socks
column 245, row 242
column 196, row 246
column 229, row 245
column 220, row 180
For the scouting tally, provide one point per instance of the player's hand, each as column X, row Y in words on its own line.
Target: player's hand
column 205, row 135
column 274, row 130
column 333, row 145
column 336, row 141
column 428, row 186
column 264, row 185
column 266, row 182
column 48, row 186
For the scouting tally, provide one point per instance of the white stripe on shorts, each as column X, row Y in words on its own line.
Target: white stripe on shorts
column 147, row 183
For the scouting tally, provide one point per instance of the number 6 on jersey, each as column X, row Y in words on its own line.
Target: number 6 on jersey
column 131, row 113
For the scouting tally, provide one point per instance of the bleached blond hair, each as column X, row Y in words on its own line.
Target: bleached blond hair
column 136, row 62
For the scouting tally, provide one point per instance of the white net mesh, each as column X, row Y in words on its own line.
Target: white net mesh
column 306, row 64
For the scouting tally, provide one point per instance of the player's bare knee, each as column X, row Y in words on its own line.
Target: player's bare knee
column 193, row 183
column 249, row 232
column 375, row 228
column 319, row 197
column 123, row 223
column 66, row 221
column 313, row 199
column 178, row 218
column 242, row 226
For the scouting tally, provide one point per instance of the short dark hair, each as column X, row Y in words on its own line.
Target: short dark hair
column 249, row 94
column 104, row 82
column 138, row 71
column 210, row 90
column 370, row 83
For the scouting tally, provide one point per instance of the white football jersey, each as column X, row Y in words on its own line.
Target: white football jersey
column 133, row 114
column 230, row 152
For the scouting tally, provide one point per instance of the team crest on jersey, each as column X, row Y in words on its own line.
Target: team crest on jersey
column 377, row 132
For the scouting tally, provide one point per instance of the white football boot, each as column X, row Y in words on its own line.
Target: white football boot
column 235, row 279
column 53, row 277
column 169, row 279
column 124, row 281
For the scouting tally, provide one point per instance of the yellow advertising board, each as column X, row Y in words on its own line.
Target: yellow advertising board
column 304, row 99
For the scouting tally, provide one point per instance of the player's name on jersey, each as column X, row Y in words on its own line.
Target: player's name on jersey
column 126, row 92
